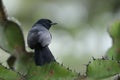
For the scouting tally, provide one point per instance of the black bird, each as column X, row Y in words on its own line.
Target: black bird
column 38, row 39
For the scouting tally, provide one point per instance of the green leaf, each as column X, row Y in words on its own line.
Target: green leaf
column 11, row 37
column 100, row 69
column 114, row 30
column 7, row 74
column 52, row 71
column 114, row 51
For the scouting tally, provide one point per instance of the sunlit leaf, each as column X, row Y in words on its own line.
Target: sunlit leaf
column 114, row 30
column 114, row 51
column 100, row 69
column 52, row 71
column 7, row 74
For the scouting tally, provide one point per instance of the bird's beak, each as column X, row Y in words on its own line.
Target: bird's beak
column 53, row 23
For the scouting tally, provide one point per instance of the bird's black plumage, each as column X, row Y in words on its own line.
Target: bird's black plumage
column 38, row 39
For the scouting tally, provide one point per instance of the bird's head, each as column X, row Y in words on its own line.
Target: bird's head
column 46, row 23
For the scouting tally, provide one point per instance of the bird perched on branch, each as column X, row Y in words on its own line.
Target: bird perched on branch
column 38, row 39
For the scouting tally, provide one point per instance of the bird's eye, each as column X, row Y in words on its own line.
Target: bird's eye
column 49, row 21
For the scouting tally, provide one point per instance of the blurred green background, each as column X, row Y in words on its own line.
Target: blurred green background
column 81, row 31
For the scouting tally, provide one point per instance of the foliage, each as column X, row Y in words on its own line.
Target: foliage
column 12, row 41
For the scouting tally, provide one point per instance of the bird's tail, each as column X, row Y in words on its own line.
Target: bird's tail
column 43, row 56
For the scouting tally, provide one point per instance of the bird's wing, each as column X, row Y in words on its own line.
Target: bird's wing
column 38, row 36
column 44, row 37
column 32, row 38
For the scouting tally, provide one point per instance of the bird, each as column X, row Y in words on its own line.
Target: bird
column 39, row 39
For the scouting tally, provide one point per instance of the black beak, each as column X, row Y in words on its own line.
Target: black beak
column 53, row 23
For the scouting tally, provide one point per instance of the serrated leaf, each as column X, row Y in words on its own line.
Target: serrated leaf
column 52, row 71
column 11, row 37
column 7, row 74
column 114, row 30
column 100, row 69
column 114, row 51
